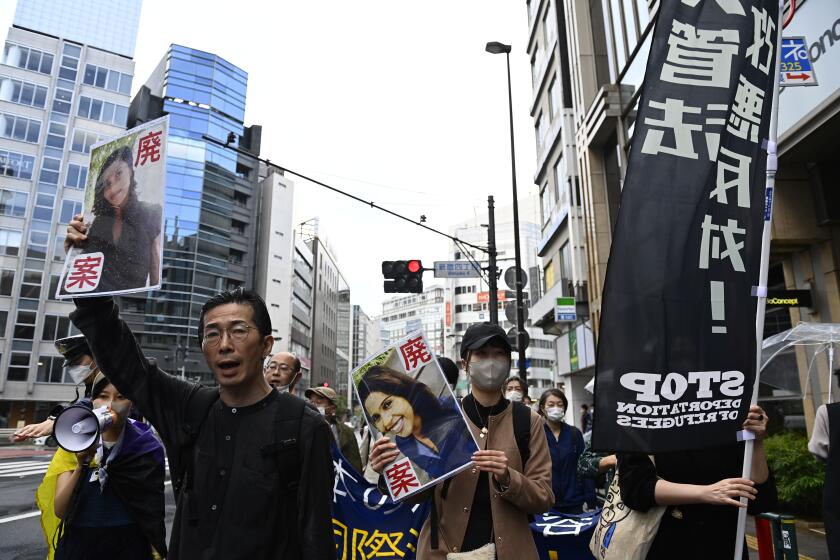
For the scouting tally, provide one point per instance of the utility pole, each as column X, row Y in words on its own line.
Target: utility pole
column 491, row 262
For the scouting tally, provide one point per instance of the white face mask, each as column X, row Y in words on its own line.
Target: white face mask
column 514, row 396
column 555, row 413
column 489, row 375
column 322, row 410
column 283, row 388
column 79, row 373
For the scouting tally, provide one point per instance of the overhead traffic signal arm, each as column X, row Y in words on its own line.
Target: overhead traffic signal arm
column 403, row 276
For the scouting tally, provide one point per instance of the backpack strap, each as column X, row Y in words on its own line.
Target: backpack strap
column 286, row 446
column 197, row 411
column 522, row 431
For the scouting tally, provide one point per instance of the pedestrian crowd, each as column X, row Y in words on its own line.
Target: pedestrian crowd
column 252, row 469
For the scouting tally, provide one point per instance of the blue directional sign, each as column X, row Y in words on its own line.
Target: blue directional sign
column 796, row 66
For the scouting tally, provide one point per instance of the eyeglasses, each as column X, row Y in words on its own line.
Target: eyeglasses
column 237, row 333
column 274, row 366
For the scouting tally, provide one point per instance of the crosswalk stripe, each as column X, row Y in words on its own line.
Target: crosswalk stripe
column 23, row 473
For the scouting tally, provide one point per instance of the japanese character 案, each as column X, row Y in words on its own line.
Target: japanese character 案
column 148, row 149
column 415, row 353
column 401, row 478
column 699, row 57
column 710, row 244
column 745, row 117
column 85, row 273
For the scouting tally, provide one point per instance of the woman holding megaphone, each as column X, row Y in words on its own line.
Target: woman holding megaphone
column 112, row 503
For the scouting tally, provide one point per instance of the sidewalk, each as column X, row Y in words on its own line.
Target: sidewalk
column 16, row 451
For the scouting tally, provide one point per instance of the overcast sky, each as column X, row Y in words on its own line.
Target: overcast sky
column 392, row 100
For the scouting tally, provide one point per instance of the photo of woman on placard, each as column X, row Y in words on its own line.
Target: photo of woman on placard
column 124, row 229
column 430, row 431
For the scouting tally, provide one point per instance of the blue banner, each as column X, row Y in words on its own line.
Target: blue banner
column 368, row 524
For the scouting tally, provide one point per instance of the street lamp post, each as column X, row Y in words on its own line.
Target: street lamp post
column 495, row 47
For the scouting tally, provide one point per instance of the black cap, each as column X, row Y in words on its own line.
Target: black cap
column 479, row 334
column 72, row 348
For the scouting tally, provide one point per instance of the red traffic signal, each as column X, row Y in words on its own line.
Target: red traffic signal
column 403, row 276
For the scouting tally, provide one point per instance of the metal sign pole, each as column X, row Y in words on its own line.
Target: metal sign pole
column 761, row 293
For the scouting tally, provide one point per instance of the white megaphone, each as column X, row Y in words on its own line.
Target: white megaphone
column 77, row 427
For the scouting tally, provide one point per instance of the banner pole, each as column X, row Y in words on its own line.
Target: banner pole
column 761, row 292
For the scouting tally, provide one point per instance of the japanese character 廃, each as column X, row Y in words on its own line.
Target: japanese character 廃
column 149, row 148
column 401, row 477
column 699, row 57
column 414, row 353
column 762, row 37
column 674, row 118
column 731, row 7
column 745, row 117
column 730, row 175
column 732, row 247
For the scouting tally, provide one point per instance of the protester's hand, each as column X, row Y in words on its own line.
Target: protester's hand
column 76, row 233
column 607, row 463
column 383, row 452
column 728, row 492
column 85, row 456
column 32, row 431
column 493, row 461
column 756, row 422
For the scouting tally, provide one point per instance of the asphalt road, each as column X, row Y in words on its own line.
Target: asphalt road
column 21, row 538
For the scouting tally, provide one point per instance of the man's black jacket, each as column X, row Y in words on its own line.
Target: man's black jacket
column 235, row 503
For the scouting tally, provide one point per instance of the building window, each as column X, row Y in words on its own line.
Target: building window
column 83, row 140
column 103, row 111
column 54, row 280
column 4, row 315
column 14, row 127
column 548, row 274
column 76, row 176
column 30, row 287
column 55, row 327
column 107, row 79
column 554, row 97
column 23, row 93
column 62, row 100
column 30, row 59
column 13, row 164
column 9, row 242
column 50, row 369
column 565, row 261
column 25, row 325
column 18, row 366
column 13, row 203
column 7, row 279
column 69, row 208
column 50, row 170
column 69, row 62
column 547, row 203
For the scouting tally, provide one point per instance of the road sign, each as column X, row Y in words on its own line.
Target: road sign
column 797, row 68
column 510, row 312
column 564, row 310
column 511, row 335
column 456, row 269
column 510, row 277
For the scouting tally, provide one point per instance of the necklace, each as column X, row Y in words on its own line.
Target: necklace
column 484, row 430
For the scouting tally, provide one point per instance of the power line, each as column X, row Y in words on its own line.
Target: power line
column 337, row 190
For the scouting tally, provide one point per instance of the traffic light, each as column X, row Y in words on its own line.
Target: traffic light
column 403, row 277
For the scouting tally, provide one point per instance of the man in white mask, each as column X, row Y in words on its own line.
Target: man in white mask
column 283, row 372
column 79, row 368
column 325, row 400
column 487, row 506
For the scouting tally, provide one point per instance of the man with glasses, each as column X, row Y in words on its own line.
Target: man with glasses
column 251, row 467
column 283, row 372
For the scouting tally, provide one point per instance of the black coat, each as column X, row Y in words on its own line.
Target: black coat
column 235, row 505
column 696, row 531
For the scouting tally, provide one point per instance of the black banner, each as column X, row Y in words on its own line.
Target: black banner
column 676, row 355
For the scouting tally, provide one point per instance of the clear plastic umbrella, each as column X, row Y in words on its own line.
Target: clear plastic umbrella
column 778, row 355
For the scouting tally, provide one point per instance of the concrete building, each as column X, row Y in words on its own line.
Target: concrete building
column 408, row 312
column 344, row 334
column 274, row 266
column 365, row 339
column 212, row 197
column 326, row 286
column 468, row 298
column 65, row 80
column 300, row 330
column 562, row 244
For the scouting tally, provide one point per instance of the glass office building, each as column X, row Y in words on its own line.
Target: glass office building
column 211, row 203
column 64, row 85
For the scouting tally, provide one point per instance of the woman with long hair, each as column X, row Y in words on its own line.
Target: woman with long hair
column 126, row 230
column 565, row 443
column 112, row 504
column 428, row 430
